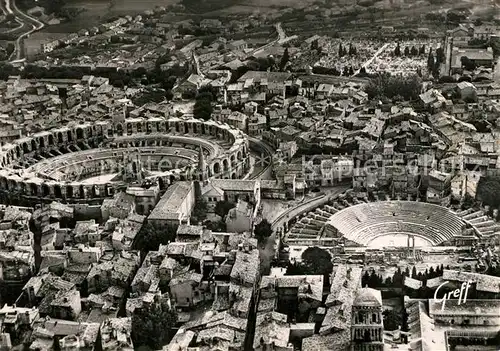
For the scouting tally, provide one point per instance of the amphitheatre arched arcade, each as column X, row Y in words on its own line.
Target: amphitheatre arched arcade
column 70, row 164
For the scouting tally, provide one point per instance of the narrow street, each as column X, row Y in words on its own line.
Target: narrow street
column 10, row 7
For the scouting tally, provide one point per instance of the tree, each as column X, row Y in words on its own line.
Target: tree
column 151, row 236
column 392, row 319
column 430, row 61
column 467, row 63
column 284, row 59
column 414, row 273
column 407, row 272
column 222, row 208
column 314, row 45
column 203, row 106
column 440, row 55
column 351, row 50
column 152, row 325
column 487, row 192
column 385, row 85
column 263, row 230
column 200, row 210
column 317, row 261
column 432, row 273
column 397, row 50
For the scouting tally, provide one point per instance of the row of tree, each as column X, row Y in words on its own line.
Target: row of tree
column 413, row 51
column 347, row 71
column 434, row 61
column 375, row 281
column 352, row 51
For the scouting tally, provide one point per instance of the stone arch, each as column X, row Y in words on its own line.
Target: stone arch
column 3, row 183
column 119, row 130
column 238, row 155
column 69, row 191
column 129, row 128
column 45, row 190
column 195, row 128
column 90, row 132
column 139, row 127
column 51, row 139
column 186, row 128
column 225, row 165
column 79, row 133
column 233, row 176
column 60, row 139
column 25, row 148
column 216, row 168
column 233, row 159
column 70, row 135
column 161, row 183
column 149, row 129
column 57, row 191
column 177, row 127
column 203, row 128
column 33, row 189
column 41, row 142
column 110, row 133
column 18, row 152
column 33, row 145
column 81, row 190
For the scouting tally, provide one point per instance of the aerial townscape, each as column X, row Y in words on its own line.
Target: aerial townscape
column 264, row 175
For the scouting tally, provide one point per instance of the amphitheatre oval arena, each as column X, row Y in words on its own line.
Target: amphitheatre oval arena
column 395, row 223
column 89, row 162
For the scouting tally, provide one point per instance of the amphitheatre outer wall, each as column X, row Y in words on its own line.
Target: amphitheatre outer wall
column 22, row 180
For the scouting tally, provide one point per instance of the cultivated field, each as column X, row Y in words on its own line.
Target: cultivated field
column 98, row 10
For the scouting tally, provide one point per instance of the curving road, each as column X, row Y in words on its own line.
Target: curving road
column 309, row 205
column 264, row 158
column 21, row 17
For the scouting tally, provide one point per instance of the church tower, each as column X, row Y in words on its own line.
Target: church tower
column 200, row 176
column 201, row 170
column 367, row 327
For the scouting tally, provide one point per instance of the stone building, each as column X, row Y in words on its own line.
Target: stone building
column 175, row 206
column 367, row 329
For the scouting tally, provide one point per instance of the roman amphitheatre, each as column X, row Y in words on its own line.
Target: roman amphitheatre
column 86, row 163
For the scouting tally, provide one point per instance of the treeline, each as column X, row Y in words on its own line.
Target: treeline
column 394, row 87
column 347, row 71
column 413, row 51
column 434, row 61
column 488, row 189
column 165, row 79
column 375, row 281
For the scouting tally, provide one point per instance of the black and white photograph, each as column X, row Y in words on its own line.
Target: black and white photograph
column 259, row 175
